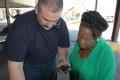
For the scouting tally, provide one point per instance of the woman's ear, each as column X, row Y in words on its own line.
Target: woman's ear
column 98, row 37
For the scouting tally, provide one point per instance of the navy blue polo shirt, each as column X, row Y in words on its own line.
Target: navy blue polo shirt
column 29, row 42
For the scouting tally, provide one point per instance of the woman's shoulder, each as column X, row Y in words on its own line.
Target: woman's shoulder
column 106, row 48
column 106, row 44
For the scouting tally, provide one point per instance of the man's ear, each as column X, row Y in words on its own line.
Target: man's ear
column 36, row 9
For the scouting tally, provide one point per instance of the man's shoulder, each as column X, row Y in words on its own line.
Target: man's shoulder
column 62, row 20
column 28, row 15
column 24, row 22
column 25, row 18
column 62, row 23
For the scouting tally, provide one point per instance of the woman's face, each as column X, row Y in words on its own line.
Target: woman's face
column 85, row 38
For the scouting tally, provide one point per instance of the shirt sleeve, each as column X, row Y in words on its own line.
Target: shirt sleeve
column 16, row 43
column 64, row 35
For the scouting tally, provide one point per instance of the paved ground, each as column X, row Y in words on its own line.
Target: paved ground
column 117, row 75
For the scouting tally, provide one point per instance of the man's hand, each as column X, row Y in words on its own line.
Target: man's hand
column 62, row 59
column 63, row 66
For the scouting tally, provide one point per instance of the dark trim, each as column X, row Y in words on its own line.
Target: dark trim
column 116, row 23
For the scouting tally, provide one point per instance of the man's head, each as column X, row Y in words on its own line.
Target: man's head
column 48, row 12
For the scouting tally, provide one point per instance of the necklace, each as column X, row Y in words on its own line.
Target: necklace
column 84, row 53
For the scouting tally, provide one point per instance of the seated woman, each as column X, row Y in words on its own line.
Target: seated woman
column 92, row 58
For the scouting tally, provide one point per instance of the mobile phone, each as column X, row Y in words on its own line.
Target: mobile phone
column 65, row 68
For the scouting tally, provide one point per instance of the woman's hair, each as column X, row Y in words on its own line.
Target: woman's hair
column 95, row 22
column 54, row 5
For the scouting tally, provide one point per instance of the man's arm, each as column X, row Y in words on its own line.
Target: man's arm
column 62, row 56
column 15, row 70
